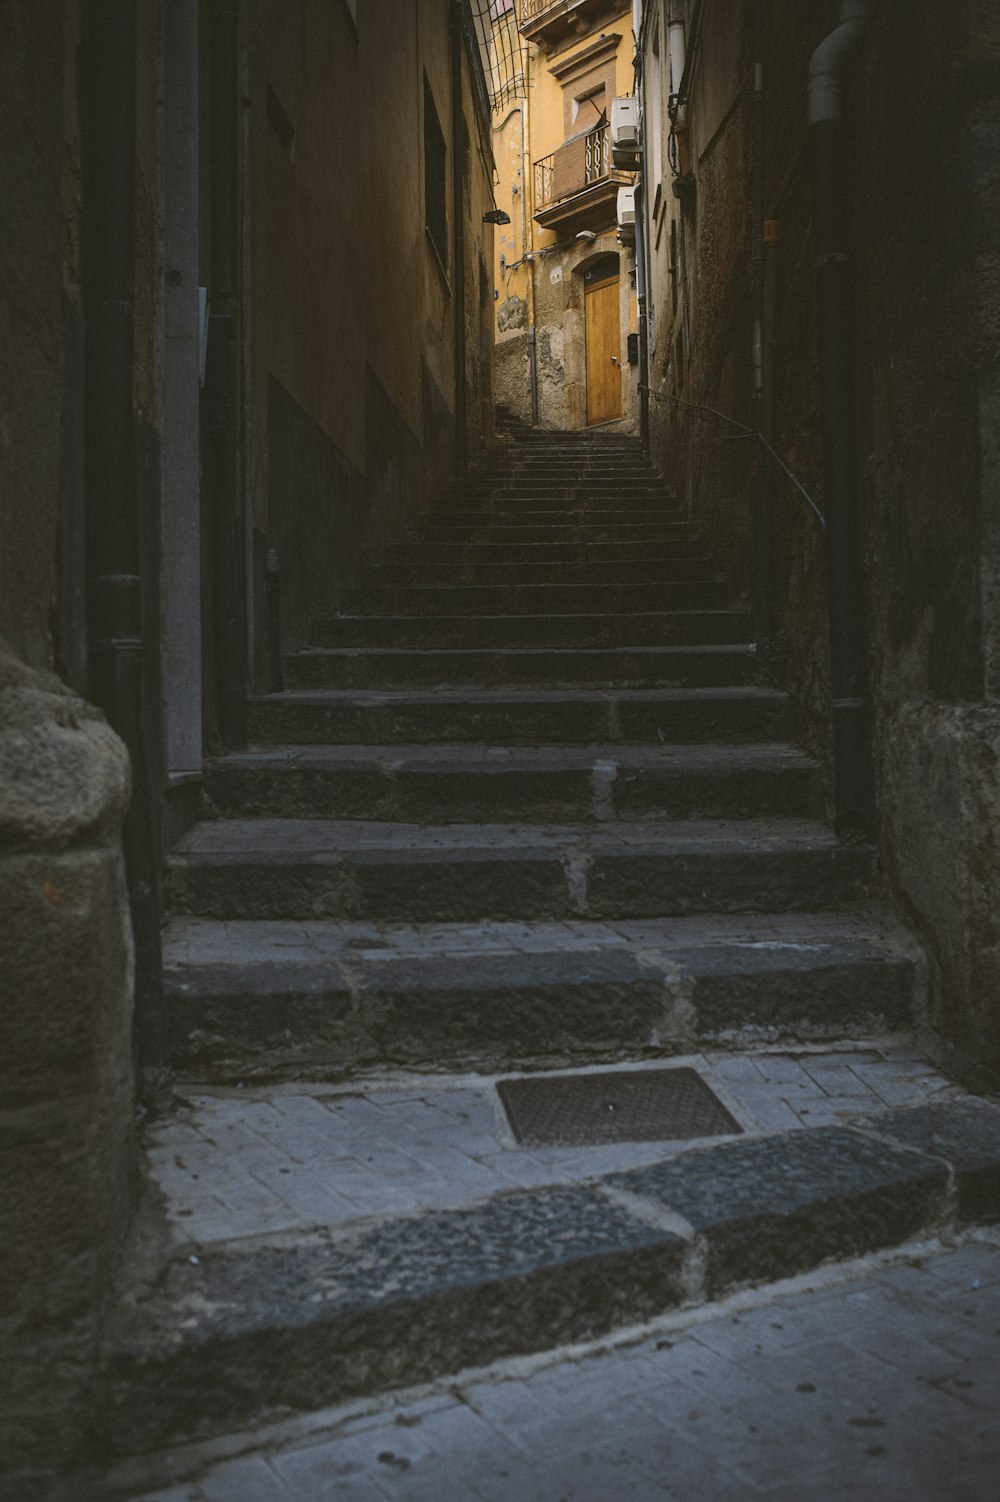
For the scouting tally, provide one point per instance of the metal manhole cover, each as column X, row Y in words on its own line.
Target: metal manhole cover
column 631, row 1105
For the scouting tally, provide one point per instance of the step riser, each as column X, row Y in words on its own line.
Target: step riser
column 314, row 1029
column 514, row 532
column 447, row 887
column 479, row 573
column 663, row 628
column 521, row 797
column 441, row 554
column 532, row 599
column 695, row 722
column 306, row 670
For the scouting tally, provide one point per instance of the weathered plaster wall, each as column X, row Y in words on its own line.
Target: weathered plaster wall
column 541, row 280
column 923, row 113
column 66, row 1096
column 350, row 297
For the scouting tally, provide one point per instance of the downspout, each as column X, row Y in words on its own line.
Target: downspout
column 458, row 270
column 221, row 406
column 849, row 694
column 528, row 234
column 640, row 290
column 116, row 666
column 764, row 590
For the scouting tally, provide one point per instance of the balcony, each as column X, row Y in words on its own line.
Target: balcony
column 576, row 187
column 555, row 24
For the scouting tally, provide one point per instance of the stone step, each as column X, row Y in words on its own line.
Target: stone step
column 440, row 552
column 621, row 667
column 546, row 599
column 423, row 574
column 590, row 630
column 266, row 999
column 474, row 526
column 564, row 504
column 319, row 868
column 240, row 1332
column 439, row 784
column 520, row 717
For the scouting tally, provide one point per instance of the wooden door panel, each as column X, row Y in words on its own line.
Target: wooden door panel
column 604, row 376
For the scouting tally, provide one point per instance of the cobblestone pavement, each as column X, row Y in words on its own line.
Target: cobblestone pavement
column 327, row 1156
column 879, row 1382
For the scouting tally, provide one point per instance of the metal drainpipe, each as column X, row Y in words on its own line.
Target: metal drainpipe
column 221, row 396
column 640, row 277
column 458, row 270
column 852, row 772
column 764, row 590
column 116, row 667
column 528, row 235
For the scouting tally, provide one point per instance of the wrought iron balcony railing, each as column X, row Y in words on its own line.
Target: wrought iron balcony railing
column 574, row 166
column 532, row 10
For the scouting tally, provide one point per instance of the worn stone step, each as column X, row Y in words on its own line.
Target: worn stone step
column 246, row 1331
column 532, row 785
column 481, row 572
column 588, row 630
column 476, row 527
column 549, row 502
column 441, row 552
column 268, row 999
column 315, row 868
column 520, row 717
column 545, row 599
column 621, row 667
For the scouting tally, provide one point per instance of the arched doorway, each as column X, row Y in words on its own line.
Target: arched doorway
column 603, row 336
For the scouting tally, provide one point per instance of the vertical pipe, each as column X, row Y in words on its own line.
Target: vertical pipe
column 116, row 668
column 528, row 239
column 180, row 450
column 458, row 198
column 848, row 667
column 640, row 277
column 220, row 410
column 764, row 586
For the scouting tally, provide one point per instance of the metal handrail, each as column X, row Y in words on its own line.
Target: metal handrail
column 745, row 432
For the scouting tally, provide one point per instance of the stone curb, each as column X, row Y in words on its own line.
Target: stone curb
column 251, row 1330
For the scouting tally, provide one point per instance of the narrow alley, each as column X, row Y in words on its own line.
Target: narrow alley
column 500, row 751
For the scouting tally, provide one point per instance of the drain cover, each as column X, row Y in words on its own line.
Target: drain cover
column 631, row 1105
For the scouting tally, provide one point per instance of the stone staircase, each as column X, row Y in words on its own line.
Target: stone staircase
column 523, row 808
column 541, row 712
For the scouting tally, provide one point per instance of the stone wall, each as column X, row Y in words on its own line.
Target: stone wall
column 66, row 1088
column 922, row 108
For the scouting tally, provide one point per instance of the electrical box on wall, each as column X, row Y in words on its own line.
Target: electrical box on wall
column 625, row 136
column 626, row 215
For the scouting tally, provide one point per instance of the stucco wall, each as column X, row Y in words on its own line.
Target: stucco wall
column 352, row 310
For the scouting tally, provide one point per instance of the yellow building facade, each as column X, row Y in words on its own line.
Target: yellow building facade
column 565, row 280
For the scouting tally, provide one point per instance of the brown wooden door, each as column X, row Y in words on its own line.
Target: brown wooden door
column 604, row 372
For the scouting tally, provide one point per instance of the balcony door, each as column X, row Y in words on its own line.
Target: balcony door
column 603, row 334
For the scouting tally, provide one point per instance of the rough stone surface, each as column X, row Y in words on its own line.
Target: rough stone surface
column 770, row 1208
column 67, row 1154
column 399, row 1302
column 874, row 1383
